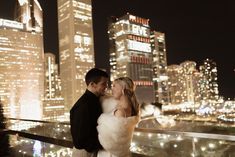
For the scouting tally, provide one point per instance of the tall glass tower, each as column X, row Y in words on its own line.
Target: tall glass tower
column 52, row 82
column 53, row 103
column 21, row 65
column 131, row 54
column 76, row 47
column 160, row 77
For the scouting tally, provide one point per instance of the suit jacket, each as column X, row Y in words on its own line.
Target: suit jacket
column 83, row 121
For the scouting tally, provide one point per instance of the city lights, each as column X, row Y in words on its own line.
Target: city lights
column 182, row 111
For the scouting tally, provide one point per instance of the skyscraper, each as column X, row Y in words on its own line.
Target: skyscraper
column 188, row 86
column 209, row 85
column 175, row 81
column 21, row 66
column 52, row 82
column 160, row 77
column 29, row 12
column 53, row 103
column 76, row 47
column 131, row 54
column 184, row 83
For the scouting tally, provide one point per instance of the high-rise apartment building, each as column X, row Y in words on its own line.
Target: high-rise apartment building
column 175, row 82
column 76, row 48
column 209, row 85
column 131, row 54
column 184, row 83
column 53, row 103
column 160, row 78
column 21, row 65
column 189, row 67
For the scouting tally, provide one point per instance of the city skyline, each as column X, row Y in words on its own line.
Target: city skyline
column 194, row 31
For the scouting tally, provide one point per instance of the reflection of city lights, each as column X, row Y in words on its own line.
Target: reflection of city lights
column 51, row 146
column 203, row 148
column 211, row 145
column 221, row 142
column 164, row 136
column 133, row 144
column 179, row 138
column 37, row 147
column 195, row 139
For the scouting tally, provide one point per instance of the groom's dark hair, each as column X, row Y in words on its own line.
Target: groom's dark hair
column 94, row 75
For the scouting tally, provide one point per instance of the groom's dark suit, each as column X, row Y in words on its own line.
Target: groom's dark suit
column 83, row 121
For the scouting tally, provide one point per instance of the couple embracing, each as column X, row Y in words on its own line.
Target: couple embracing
column 102, row 126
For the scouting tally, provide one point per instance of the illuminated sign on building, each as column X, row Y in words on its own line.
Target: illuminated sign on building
column 139, row 20
column 138, row 38
column 138, row 46
column 139, row 30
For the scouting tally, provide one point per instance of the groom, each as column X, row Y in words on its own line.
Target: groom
column 84, row 115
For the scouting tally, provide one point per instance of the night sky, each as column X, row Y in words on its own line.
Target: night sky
column 194, row 29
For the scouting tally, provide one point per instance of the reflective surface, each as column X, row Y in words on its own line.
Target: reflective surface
column 149, row 139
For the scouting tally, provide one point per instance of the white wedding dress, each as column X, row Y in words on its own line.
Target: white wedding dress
column 115, row 133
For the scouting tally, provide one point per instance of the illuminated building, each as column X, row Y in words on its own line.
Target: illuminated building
column 132, row 55
column 160, row 77
column 184, row 83
column 52, row 81
column 209, row 86
column 191, row 82
column 21, row 67
column 175, row 84
column 29, row 12
column 196, row 81
column 76, row 48
column 53, row 103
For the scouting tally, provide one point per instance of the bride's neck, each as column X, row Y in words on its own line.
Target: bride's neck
column 123, row 102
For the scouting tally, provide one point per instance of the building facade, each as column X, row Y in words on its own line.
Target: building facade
column 175, row 83
column 29, row 13
column 160, row 78
column 209, row 85
column 131, row 54
column 53, row 103
column 52, row 81
column 21, row 65
column 184, row 83
column 76, row 48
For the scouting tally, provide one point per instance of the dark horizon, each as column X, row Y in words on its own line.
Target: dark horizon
column 194, row 30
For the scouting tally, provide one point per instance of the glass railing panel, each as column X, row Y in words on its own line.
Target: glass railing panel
column 170, row 123
column 149, row 139
column 59, row 130
column 181, row 144
column 25, row 147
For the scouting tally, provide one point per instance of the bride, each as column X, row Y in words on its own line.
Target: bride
column 117, row 123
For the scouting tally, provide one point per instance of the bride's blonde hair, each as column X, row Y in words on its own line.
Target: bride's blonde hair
column 129, row 92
